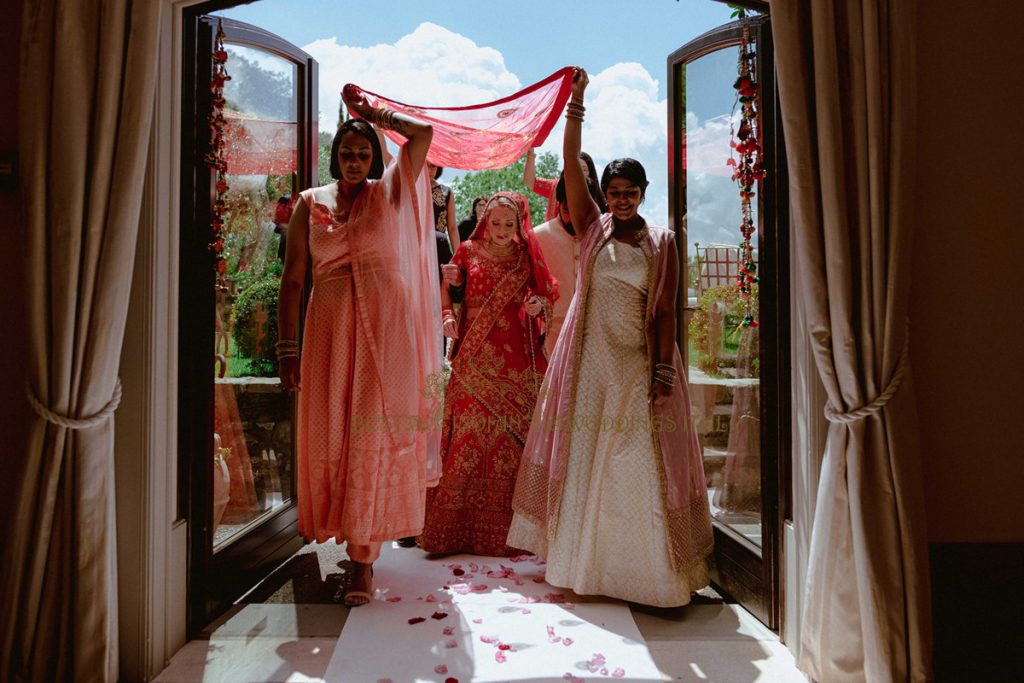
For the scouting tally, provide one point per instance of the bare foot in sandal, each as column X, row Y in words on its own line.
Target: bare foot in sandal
column 360, row 590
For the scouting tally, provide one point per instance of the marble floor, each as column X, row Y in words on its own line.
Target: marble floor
column 289, row 642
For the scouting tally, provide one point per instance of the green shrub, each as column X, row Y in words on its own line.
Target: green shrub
column 255, row 325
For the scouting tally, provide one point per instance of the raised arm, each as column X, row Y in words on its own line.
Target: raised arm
column 453, row 225
column 385, row 155
column 418, row 135
column 530, row 169
column 293, row 281
column 582, row 209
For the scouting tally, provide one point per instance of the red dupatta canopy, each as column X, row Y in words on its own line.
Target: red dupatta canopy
column 491, row 135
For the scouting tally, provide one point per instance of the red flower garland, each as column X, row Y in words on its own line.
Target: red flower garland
column 748, row 169
column 216, row 159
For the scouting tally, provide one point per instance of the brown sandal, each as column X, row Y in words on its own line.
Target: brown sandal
column 359, row 598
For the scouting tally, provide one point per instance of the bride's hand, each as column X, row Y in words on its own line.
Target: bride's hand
column 452, row 275
column 450, row 329
column 533, row 306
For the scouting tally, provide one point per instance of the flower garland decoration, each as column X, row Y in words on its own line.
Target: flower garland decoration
column 216, row 159
column 747, row 169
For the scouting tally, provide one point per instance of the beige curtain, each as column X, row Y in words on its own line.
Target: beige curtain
column 846, row 81
column 86, row 100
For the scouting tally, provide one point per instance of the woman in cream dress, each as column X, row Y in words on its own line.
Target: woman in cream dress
column 611, row 487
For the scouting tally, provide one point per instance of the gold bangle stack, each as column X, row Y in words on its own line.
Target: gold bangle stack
column 287, row 348
column 383, row 118
column 575, row 110
column 665, row 373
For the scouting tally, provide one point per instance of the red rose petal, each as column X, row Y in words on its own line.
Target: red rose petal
column 431, row 598
column 417, row 620
column 451, row 680
column 438, row 615
column 503, row 646
column 458, row 572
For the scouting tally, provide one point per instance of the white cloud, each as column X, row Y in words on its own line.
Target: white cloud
column 430, row 66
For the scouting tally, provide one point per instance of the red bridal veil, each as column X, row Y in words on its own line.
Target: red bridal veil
column 491, row 135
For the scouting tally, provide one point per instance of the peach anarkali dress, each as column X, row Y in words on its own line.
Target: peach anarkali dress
column 366, row 444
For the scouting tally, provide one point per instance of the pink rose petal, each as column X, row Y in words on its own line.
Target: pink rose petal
column 384, row 680
column 525, row 611
column 394, row 598
column 480, row 587
column 604, row 671
column 451, row 643
column 538, row 579
column 567, row 641
column 499, row 657
column 441, row 669
column 619, row 672
column 478, row 621
column 431, row 598
column 490, row 640
column 449, row 630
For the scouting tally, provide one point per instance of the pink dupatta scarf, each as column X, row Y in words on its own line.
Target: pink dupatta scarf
column 490, row 135
column 400, row 316
column 684, row 491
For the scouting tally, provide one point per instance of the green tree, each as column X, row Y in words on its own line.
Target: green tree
column 323, row 164
column 260, row 92
column 485, row 183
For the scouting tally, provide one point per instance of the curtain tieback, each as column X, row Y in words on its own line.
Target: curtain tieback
column 74, row 423
column 870, row 409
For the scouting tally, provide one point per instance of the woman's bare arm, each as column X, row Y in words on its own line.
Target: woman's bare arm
column 582, row 209
column 293, row 282
column 530, row 169
column 453, row 226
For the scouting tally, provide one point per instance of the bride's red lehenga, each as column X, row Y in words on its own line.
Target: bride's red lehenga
column 497, row 368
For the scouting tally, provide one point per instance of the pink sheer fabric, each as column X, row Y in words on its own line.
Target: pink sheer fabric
column 259, row 146
column 490, row 135
column 539, row 485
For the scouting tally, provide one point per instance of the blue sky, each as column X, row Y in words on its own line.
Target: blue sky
column 535, row 37
column 459, row 52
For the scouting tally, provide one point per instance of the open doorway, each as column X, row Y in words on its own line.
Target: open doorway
column 238, row 496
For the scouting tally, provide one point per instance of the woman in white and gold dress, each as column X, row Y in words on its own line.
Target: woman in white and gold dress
column 611, row 488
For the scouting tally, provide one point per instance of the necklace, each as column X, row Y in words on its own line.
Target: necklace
column 495, row 250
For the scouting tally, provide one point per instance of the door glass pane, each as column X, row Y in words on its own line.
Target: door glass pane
column 253, row 463
column 722, row 356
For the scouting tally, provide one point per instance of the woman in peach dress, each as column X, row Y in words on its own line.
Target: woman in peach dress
column 367, row 448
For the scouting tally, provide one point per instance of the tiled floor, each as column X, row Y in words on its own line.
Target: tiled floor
column 294, row 642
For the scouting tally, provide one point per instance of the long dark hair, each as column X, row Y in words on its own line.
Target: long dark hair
column 595, row 191
column 590, row 165
column 359, row 127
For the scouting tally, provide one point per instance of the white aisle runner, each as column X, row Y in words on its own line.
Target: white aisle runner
column 470, row 619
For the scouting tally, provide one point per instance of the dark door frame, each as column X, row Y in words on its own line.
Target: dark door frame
column 215, row 581
column 739, row 569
